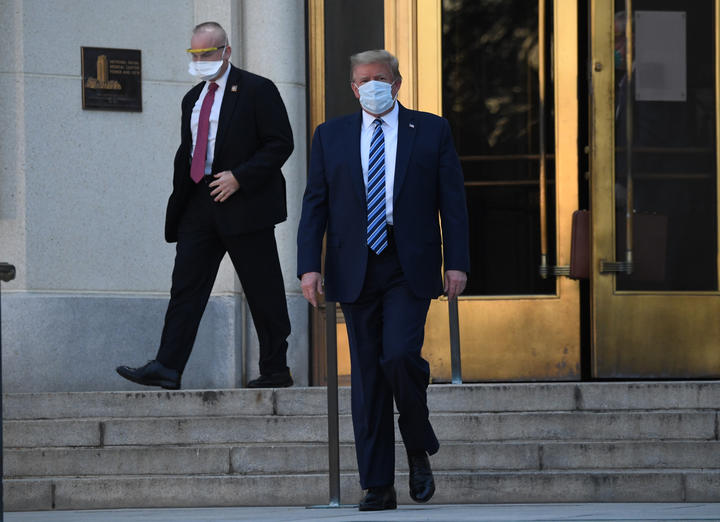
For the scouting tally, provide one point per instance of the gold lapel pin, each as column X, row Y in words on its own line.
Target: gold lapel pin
column 233, row 88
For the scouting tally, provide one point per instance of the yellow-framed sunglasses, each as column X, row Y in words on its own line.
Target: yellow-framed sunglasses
column 204, row 53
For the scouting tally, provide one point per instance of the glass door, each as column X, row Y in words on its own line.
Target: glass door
column 505, row 75
column 654, row 189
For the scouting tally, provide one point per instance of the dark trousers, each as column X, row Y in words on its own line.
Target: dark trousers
column 386, row 329
column 200, row 248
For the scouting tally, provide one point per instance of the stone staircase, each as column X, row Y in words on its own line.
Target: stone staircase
column 559, row 442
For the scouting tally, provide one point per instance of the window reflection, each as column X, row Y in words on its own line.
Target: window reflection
column 490, row 97
column 665, row 140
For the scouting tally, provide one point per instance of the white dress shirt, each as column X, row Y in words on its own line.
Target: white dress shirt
column 390, row 131
column 214, row 118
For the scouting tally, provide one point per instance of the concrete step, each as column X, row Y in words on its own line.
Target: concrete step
column 18, row 406
column 250, row 459
column 520, row 397
column 311, row 489
column 579, row 426
column 534, row 442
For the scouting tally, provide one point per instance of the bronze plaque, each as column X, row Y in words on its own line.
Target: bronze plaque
column 111, row 79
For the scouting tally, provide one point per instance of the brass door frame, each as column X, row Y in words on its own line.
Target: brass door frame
column 638, row 334
column 316, row 109
column 520, row 337
column 403, row 20
column 316, row 62
column 540, row 333
column 420, row 58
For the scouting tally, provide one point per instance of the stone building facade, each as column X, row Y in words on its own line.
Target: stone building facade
column 83, row 193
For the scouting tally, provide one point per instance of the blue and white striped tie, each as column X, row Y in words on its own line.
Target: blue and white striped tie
column 376, row 229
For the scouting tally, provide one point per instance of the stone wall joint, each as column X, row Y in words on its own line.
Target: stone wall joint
column 274, row 402
column 578, row 397
column 101, row 434
column 683, row 487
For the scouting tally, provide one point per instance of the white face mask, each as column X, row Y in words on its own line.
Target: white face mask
column 205, row 70
column 376, row 97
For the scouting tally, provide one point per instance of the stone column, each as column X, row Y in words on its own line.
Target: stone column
column 272, row 42
column 268, row 38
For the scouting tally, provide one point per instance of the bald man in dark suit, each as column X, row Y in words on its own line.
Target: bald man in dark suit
column 228, row 195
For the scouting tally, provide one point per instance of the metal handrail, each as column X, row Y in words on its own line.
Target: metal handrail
column 454, row 341
column 333, row 409
column 332, row 391
column 7, row 274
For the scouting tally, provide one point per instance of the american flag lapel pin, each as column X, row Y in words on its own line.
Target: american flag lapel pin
column 233, row 88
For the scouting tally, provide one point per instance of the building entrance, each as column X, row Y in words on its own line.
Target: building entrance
column 557, row 106
column 654, row 190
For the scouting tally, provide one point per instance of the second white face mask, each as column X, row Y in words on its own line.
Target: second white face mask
column 205, row 70
column 376, row 96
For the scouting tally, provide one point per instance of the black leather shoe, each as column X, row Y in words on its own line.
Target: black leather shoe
column 422, row 484
column 274, row 380
column 378, row 499
column 153, row 373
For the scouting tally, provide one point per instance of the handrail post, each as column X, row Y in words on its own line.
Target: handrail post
column 7, row 273
column 333, row 409
column 454, row 341
column 332, row 398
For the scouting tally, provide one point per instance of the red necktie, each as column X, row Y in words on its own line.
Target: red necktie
column 197, row 167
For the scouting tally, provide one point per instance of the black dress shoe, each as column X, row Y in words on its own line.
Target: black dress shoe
column 422, row 484
column 153, row 373
column 378, row 499
column 274, row 380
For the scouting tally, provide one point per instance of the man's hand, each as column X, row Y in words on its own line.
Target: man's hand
column 225, row 185
column 311, row 283
column 455, row 281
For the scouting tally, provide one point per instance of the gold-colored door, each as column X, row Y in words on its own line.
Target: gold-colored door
column 654, row 191
column 505, row 75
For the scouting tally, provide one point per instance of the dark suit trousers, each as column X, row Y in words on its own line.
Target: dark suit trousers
column 386, row 330
column 200, row 248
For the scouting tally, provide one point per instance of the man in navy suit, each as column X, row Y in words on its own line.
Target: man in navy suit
column 378, row 181
column 228, row 195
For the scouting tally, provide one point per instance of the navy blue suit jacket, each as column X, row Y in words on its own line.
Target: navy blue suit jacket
column 428, row 186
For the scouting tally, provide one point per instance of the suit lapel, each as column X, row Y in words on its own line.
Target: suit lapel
column 405, row 140
column 353, row 129
column 187, row 109
column 230, row 98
